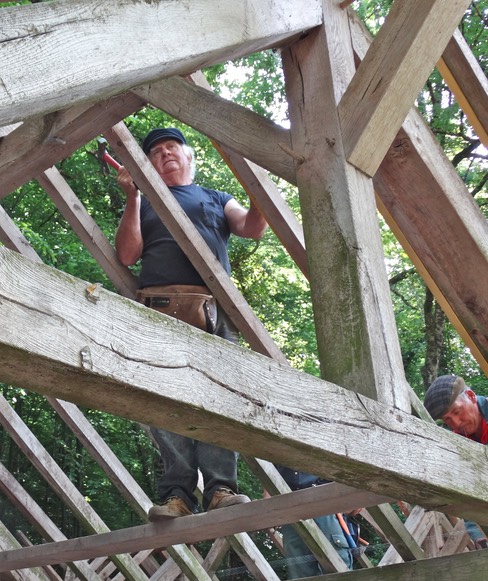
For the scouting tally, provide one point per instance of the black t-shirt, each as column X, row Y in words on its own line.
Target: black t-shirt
column 163, row 262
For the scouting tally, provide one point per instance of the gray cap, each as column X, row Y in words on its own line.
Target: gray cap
column 442, row 394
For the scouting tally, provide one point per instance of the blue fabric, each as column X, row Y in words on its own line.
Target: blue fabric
column 300, row 561
column 163, row 261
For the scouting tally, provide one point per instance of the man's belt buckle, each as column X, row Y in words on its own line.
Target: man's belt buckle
column 157, row 302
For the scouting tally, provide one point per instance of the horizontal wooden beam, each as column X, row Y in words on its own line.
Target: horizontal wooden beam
column 74, row 52
column 256, row 515
column 471, row 565
column 118, row 356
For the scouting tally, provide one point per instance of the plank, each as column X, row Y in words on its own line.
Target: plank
column 118, row 356
column 391, row 76
column 73, row 52
column 456, row 541
column 470, row 565
column 255, row 515
column 396, row 532
column 191, row 242
column 88, row 231
column 348, row 280
column 41, row 142
column 60, row 483
column 467, row 81
column 34, row 514
column 418, row 524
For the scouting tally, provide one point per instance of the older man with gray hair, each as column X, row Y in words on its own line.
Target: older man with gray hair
column 449, row 399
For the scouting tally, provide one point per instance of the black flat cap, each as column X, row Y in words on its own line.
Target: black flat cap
column 159, row 134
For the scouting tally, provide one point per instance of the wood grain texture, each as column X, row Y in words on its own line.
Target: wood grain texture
column 118, row 356
column 391, row 75
column 252, row 516
column 356, row 332
column 467, row 81
column 87, row 50
column 41, row 142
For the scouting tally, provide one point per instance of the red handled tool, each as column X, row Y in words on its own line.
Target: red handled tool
column 105, row 157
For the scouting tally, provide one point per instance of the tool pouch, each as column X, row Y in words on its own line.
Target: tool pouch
column 191, row 304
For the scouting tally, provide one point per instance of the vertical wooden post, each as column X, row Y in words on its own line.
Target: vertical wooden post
column 356, row 332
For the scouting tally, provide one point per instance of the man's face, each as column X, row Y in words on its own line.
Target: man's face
column 464, row 416
column 171, row 162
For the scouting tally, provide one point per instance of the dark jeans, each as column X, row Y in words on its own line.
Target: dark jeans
column 181, row 457
column 300, row 561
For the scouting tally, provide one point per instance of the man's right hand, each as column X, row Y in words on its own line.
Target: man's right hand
column 126, row 183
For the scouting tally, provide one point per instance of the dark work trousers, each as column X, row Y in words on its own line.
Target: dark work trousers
column 181, row 457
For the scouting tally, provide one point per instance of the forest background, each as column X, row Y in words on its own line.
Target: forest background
column 263, row 271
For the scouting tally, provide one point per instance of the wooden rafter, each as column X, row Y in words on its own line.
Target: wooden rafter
column 391, row 75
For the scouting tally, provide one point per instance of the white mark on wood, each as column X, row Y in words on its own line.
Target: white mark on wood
column 86, row 359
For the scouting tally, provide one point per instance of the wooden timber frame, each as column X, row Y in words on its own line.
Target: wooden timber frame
column 361, row 425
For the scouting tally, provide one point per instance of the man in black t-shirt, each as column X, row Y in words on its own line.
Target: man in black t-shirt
column 142, row 235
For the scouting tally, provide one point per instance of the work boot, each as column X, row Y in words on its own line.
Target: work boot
column 172, row 507
column 223, row 497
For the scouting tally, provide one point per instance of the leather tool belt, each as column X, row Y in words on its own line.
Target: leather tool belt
column 191, row 304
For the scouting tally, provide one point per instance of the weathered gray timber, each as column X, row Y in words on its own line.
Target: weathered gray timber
column 76, row 51
column 115, row 355
column 251, row 516
column 354, row 322
column 470, row 566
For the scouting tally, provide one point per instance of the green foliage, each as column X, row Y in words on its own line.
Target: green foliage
column 270, row 281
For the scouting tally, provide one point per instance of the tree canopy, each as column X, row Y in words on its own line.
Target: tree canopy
column 270, row 281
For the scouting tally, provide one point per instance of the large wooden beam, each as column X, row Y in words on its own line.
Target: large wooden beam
column 470, row 565
column 73, row 52
column 118, row 356
column 467, row 81
column 391, row 75
column 41, row 142
column 423, row 199
column 356, row 333
column 252, row 516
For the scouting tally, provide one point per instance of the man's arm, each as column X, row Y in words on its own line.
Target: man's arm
column 128, row 240
column 245, row 223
